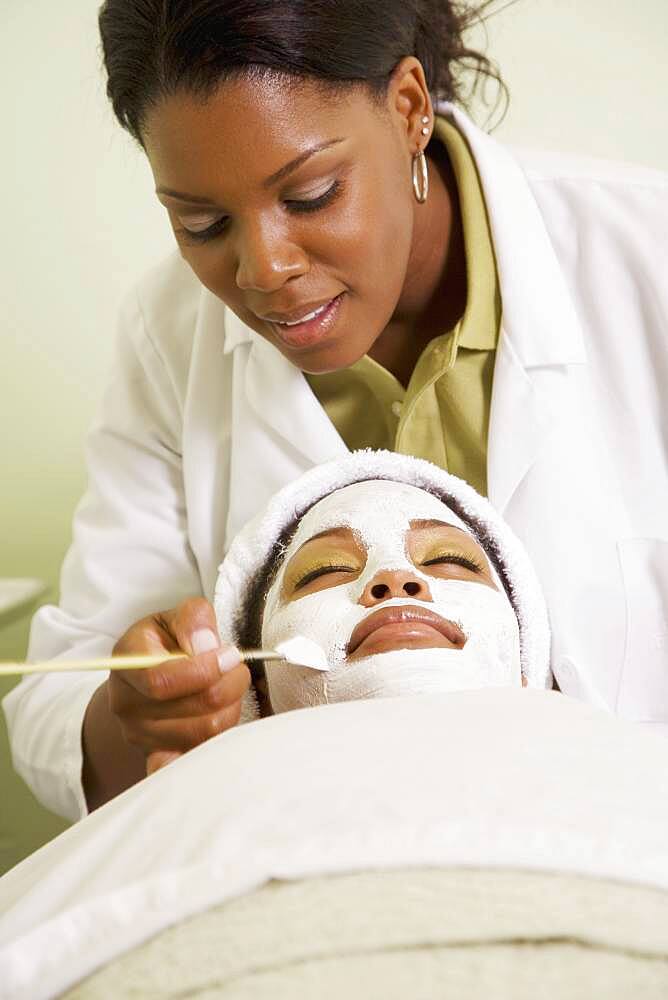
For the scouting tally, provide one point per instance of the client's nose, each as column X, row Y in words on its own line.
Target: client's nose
column 388, row 583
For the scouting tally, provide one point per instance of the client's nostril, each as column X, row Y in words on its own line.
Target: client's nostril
column 412, row 588
column 380, row 590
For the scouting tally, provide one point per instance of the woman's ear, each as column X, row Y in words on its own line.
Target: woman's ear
column 524, row 681
column 409, row 102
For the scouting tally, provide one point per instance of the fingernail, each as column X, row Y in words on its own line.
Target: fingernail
column 228, row 658
column 203, row 640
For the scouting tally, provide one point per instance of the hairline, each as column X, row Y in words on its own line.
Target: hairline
column 375, row 88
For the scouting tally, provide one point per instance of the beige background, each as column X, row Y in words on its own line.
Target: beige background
column 80, row 223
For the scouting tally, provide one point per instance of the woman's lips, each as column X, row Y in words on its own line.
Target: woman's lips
column 401, row 622
column 313, row 330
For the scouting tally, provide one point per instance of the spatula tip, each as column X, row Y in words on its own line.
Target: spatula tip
column 303, row 652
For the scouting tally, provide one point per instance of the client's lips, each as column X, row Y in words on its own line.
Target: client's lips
column 400, row 614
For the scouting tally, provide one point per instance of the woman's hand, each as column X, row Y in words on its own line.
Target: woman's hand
column 171, row 708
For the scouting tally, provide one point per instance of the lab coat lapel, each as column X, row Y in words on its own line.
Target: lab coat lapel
column 278, row 429
column 541, row 343
column 282, row 398
column 206, row 441
column 524, row 412
column 253, row 425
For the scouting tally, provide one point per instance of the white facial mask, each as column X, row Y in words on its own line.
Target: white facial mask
column 380, row 513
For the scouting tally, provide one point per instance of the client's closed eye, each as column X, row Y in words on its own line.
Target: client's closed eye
column 457, row 559
column 320, row 571
column 447, row 553
column 329, row 559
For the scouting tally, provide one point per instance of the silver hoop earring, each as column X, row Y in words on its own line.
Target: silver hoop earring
column 420, row 177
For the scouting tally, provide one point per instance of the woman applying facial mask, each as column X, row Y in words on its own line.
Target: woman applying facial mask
column 407, row 589
column 357, row 264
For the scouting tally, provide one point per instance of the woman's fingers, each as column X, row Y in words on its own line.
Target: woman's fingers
column 180, row 678
column 193, row 625
column 172, row 707
column 198, row 699
column 147, row 636
column 190, row 627
column 179, row 734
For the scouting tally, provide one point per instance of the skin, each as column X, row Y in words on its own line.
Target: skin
column 337, row 556
column 273, row 256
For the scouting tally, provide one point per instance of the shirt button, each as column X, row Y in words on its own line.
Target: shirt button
column 397, row 407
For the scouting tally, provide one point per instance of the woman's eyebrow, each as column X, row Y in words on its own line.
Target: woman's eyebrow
column 430, row 523
column 193, row 199
column 279, row 175
column 327, row 533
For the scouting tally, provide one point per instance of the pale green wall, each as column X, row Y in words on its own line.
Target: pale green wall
column 586, row 76
column 24, row 825
column 79, row 223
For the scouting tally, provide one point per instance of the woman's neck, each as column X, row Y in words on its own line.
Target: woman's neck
column 434, row 294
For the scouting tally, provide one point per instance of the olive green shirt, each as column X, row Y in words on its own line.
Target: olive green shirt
column 443, row 414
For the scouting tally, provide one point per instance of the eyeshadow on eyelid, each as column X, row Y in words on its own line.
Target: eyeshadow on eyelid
column 198, row 220
column 302, row 567
column 196, row 216
column 453, row 549
column 314, row 191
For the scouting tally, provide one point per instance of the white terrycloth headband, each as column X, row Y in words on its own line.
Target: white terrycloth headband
column 252, row 549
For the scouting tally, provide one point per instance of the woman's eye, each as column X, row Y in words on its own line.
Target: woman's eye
column 456, row 559
column 314, row 204
column 314, row 574
column 200, row 230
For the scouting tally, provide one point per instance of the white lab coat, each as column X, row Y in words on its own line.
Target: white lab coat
column 204, row 420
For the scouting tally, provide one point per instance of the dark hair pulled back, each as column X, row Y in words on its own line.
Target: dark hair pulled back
column 156, row 48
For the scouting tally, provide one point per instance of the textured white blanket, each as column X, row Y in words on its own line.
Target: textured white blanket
column 499, row 778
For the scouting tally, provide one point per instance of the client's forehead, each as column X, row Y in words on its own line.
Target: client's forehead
column 372, row 509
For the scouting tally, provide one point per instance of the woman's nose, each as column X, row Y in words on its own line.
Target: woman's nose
column 388, row 583
column 266, row 261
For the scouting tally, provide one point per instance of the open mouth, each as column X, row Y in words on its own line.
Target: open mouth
column 403, row 626
column 313, row 328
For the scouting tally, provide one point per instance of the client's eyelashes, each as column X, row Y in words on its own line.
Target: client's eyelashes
column 319, row 571
column 458, row 559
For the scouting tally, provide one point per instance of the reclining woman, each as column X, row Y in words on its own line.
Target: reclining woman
column 405, row 577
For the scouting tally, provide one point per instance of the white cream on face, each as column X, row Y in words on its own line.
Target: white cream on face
column 380, row 513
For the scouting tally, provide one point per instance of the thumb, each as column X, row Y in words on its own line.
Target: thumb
column 160, row 758
column 193, row 625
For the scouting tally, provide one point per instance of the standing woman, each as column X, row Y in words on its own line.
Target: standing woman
column 358, row 265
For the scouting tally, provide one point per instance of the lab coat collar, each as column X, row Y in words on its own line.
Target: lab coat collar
column 236, row 332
